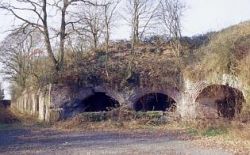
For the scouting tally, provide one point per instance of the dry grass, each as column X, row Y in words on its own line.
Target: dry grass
column 226, row 46
column 228, row 52
column 132, row 127
column 95, row 69
column 233, row 136
column 230, row 135
column 123, row 119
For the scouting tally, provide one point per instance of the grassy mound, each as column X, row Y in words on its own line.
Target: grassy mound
column 227, row 52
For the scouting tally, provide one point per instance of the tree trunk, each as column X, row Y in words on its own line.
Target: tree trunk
column 95, row 41
column 62, row 35
column 106, row 40
column 46, row 37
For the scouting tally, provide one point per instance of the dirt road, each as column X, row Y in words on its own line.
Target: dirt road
column 51, row 142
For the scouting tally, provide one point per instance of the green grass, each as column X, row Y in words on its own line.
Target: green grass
column 212, row 131
column 193, row 132
column 207, row 132
column 3, row 126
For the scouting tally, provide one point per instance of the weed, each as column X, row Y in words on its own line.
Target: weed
column 3, row 126
column 193, row 132
column 212, row 131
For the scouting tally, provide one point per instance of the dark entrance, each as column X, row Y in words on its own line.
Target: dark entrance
column 224, row 100
column 154, row 102
column 98, row 102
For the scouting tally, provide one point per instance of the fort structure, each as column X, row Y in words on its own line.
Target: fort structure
column 220, row 96
column 209, row 79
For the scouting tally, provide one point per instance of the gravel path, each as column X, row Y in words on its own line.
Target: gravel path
column 50, row 142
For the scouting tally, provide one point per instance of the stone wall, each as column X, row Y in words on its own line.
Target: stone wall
column 56, row 102
column 189, row 108
column 34, row 103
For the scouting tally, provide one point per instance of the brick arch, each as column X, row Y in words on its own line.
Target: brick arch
column 220, row 101
column 76, row 101
column 218, row 85
column 98, row 101
column 154, row 101
column 227, row 80
column 118, row 96
column 173, row 93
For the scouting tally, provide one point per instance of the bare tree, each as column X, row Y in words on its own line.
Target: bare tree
column 170, row 14
column 109, row 11
column 90, row 23
column 15, row 53
column 141, row 14
column 38, row 18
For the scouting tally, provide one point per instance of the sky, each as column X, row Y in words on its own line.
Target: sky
column 200, row 16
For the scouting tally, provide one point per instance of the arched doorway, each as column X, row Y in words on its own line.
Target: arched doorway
column 98, row 102
column 220, row 101
column 154, row 102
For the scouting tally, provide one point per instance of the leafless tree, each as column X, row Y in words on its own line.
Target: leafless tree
column 109, row 12
column 170, row 14
column 95, row 21
column 35, row 13
column 141, row 14
column 90, row 23
column 16, row 52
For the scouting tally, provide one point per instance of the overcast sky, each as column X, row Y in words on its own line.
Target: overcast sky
column 201, row 16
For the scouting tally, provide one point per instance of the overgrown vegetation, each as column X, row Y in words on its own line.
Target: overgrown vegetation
column 78, row 49
column 227, row 52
